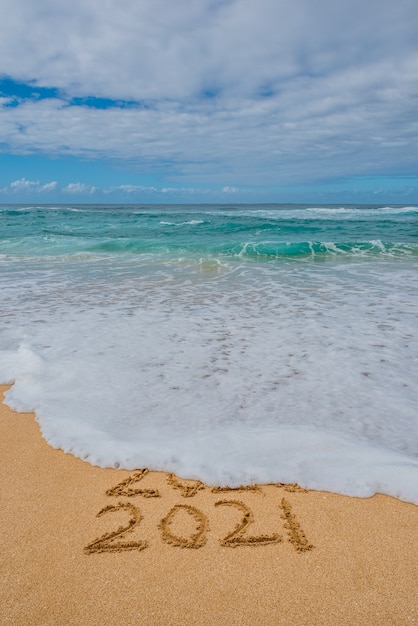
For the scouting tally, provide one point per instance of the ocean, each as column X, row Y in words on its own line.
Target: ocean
column 234, row 344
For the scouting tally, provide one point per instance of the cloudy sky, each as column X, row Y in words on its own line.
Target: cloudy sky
column 209, row 101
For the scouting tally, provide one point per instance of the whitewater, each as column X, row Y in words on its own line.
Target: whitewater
column 234, row 344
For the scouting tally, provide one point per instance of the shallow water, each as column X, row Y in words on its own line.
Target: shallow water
column 233, row 344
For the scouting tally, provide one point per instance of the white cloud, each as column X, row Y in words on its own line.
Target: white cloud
column 182, row 190
column 50, row 186
column 77, row 188
column 231, row 189
column 131, row 189
column 301, row 89
column 160, row 48
column 347, row 123
column 24, row 185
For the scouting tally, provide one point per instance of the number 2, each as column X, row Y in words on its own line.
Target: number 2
column 237, row 536
column 106, row 543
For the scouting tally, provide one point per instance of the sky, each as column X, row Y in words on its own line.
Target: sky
column 162, row 101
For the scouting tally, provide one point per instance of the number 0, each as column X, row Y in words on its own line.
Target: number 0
column 197, row 539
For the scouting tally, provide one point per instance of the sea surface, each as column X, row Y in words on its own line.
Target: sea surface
column 233, row 344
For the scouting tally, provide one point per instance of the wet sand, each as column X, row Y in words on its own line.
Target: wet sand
column 164, row 550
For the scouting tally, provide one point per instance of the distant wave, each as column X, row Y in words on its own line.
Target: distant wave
column 358, row 211
column 189, row 223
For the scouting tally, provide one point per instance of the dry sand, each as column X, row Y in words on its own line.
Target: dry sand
column 189, row 554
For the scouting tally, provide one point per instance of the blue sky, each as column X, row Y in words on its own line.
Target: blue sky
column 209, row 101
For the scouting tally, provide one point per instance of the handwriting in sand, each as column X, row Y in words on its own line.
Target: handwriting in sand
column 238, row 536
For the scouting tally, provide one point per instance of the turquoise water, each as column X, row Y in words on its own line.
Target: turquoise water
column 259, row 233
column 230, row 343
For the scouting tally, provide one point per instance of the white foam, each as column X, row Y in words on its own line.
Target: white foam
column 291, row 373
column 186, row 223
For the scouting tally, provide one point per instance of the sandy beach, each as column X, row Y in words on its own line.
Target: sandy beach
column 83, row 545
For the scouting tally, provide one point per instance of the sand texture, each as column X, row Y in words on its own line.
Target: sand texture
column 82, row 545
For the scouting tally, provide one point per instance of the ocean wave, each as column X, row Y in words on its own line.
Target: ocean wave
column 324, row 249
column 266, row 249
column 187, row 223
column 69, row 244
column 365, row 211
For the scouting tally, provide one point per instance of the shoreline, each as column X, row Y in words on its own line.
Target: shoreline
column 86, row 545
